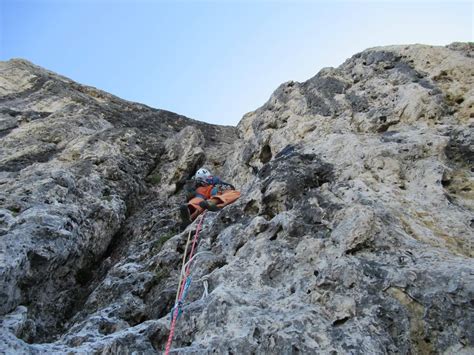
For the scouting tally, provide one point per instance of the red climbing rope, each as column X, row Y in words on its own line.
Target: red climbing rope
column 181, row 287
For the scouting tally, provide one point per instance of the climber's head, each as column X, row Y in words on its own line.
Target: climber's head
column 202, row 174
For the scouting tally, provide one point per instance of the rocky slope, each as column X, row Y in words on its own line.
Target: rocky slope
column 353, row 233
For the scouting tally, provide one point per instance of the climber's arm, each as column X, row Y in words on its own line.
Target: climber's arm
column 230, row 185
column 217, row 181
column 227, row 184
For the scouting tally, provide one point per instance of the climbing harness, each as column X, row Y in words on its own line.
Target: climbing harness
column 184, row 282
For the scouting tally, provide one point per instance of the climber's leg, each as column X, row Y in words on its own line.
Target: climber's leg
column 185, row 216
column 194, row 208
column 226, row 198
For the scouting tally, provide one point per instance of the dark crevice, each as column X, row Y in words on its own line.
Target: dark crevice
column 238, row 247
column 275, row 233
column 251, row 208
column 339, row 322
column 217, row 265
column 24, row 161
column 265, row 154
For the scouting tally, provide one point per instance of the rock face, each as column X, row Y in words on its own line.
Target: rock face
column 353, row 234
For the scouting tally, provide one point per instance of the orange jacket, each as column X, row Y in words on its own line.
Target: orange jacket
column 204, row 191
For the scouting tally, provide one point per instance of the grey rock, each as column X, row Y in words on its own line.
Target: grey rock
column 353, row 233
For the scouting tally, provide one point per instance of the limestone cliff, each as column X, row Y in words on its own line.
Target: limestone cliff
column 353, row 233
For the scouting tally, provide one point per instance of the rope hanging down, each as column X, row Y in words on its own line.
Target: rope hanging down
column 184, row 282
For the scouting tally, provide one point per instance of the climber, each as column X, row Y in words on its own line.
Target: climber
column 205, row 191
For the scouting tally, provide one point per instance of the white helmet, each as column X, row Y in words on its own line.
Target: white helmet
column 202, row 174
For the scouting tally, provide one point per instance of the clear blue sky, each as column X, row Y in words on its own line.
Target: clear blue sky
column 213, row 60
